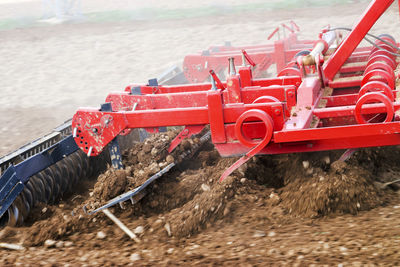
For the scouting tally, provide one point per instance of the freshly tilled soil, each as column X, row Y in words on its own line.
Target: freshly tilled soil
column 267, row 211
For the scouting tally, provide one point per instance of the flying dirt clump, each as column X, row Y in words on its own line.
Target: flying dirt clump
column 342, row 188
column 193, row 200
column 141, row 161
column 110, row 184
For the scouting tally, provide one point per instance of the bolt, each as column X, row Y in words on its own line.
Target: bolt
column 277, row 111
column 243, row 60
column 232, row 70
column 90, row 151
column 290, row 94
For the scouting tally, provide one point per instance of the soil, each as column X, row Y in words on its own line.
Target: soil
column 295, row 210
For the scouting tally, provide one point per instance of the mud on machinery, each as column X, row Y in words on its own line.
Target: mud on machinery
column 328, row 94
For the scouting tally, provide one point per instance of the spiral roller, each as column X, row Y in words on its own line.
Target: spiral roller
column 52, row 183
column 378, row 83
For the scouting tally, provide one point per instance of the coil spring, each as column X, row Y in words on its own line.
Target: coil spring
column 380, row 64
column 51, row 183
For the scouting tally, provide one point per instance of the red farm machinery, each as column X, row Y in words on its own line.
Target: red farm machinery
column 327, row 94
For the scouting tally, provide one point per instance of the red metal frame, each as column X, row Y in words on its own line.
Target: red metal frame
column 197, row 66
column 249, row 116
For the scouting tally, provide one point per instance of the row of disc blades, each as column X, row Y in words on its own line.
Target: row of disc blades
column 52, row 183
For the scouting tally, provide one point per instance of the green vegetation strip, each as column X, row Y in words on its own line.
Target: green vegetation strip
column 151, row 14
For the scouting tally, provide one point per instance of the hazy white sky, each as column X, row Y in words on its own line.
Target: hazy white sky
column 16, row 1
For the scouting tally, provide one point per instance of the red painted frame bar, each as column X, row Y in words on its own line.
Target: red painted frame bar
column 145, row 89
column 125, row 101
column 197, row 66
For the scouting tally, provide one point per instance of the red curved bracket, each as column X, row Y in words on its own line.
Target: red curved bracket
column 258, row 146
column 390, row 80
column 376, row 96
column 376, row 86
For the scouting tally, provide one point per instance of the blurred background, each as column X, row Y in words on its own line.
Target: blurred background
column 58, row 55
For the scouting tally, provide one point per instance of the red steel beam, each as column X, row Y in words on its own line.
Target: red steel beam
column 353, row 39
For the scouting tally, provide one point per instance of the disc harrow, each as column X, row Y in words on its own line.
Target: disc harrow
column 328, row 94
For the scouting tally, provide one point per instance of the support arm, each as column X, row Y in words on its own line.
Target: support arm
column 374, row 11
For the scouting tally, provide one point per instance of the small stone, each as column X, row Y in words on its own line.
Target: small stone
column 170, row 250
column 327, row 160
column 59, row 244
column 343, row 249
column 358, row 205
column 167, row 227
column 195, row 246
column 275, row 199
column 326, row 246
column 100, row 235
column 154, row 151
column 205, row 187
column 49, row 243
column 290, row 253
column 169, row 159
column 162, row 164
column 306, row 164
column 154, row 168
column 226, row 211
column 139, row 230
column 44, row 210
column 128, row 170
column 68, row 244
column 259, row 234
column 196, row 207
column 61, row 206
column 243, row 180
column 157, row 223
column 135, row 257
column 147, row 148
column 271, row 234
column 229, row 243
column 242, row 169
column 83, row 258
